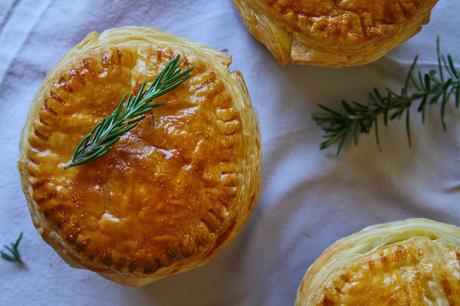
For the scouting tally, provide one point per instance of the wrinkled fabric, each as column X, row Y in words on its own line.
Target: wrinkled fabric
column 309, row 199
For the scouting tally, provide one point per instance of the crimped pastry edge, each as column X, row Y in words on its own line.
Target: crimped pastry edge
column 236, row 87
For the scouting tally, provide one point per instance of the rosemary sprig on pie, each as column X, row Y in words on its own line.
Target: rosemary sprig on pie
column 435, row 87
column 11, row 253
column 129, row 112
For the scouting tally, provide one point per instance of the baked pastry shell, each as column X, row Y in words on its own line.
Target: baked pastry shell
column 247, row 195
column 302, row 47
column 371, row 241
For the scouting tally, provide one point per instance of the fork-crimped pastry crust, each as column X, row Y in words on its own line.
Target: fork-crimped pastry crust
column 173, row 191
column 410, row 262
column 333, row 33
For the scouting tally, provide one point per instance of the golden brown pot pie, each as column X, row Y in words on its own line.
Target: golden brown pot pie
column 411, row 262
column 173, row 191
column 333, row 33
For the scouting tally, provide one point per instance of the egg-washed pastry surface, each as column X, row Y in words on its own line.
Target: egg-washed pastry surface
column 173, row 191
column 333, row 33
column 411, row 262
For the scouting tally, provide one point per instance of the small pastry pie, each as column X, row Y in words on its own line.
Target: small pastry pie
column 411, row 262
column 173, row 191
column 333, row 33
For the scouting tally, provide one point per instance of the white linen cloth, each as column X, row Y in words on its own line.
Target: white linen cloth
column 310, row 198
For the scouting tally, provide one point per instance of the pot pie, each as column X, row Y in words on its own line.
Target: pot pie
column 173, row 191
column 411, row 262
column 333, row 33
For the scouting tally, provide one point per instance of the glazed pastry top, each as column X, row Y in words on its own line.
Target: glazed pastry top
column 346, row 20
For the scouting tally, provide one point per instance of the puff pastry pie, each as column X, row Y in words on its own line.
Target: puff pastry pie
column 411, row 262
column 173, row 191
column 333, row 33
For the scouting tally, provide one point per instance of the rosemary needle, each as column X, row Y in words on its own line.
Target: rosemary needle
column 129, row 112
column 11, row 253
column 435, row 87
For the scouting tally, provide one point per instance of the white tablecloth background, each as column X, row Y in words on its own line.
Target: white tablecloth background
column 310, row 198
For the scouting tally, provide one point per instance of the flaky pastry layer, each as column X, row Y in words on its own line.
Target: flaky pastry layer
column 333, row 33
column 410, row 262
column 173, row 191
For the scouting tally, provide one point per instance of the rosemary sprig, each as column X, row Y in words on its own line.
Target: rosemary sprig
column 129, row 112
column 435, row 87
column 12, row 251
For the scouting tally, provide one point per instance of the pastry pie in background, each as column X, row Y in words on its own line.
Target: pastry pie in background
column 333, row 33
column 173, row 191
column 411, row 262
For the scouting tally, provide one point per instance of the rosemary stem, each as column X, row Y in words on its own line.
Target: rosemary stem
column 129, row 112
column 436, row 87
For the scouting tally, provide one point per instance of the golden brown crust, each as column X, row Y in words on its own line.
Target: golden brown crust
column 411, row 262
column 170, row 193
column 333, row 33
